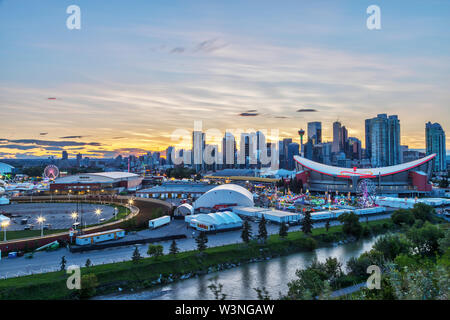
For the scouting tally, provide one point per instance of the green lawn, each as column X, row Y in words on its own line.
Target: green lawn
column 140, row 275
column 21, row 234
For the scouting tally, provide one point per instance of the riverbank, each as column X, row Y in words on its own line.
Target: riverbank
column 149, row 272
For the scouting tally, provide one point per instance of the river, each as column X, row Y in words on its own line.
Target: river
column 238, row 283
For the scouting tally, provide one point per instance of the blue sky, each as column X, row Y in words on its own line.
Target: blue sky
column 138, row 70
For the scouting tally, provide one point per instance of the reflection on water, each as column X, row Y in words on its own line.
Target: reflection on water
column 238, row 283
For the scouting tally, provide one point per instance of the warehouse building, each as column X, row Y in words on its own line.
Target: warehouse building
column 96, row 182
column 215, row 222
column 224, row 196
column 171, row 190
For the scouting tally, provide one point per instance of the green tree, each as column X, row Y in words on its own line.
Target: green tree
column 350, row 224
column 307, row 223
column 262, row 293
column 136, row 257
column 426, row 239
column 423, row 211
column 444, row 242
column 201, row 241
column 392, row 245
column 443, row 183
column 283, row 232
column 327, row 225
column 246, row 233
column 173, row 248
column 89, row 284
column 63, row 263
column 88, row 263
column 403, row 216
column 262, row 231
column 155, row 250
column 217, row 289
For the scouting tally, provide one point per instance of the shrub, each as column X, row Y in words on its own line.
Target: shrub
column 402, row 216
column 89, row 285
column 307, row 243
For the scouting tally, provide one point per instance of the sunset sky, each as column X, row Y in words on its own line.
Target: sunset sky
column 139, row 70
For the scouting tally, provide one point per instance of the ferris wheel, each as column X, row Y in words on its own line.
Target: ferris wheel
column 367, row 191
column 51, row 172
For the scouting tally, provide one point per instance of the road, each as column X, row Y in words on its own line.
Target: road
column 50, row 261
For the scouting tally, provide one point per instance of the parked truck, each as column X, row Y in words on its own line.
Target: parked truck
column 159, row 222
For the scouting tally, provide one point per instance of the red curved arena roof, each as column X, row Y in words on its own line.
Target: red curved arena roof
column 362, row 173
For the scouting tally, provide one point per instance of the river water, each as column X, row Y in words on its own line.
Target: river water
column 238, row 283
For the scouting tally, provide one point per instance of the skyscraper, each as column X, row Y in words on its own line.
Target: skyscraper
column 394, row 141
column 79, row 159
column 354, row 146
column 285, row 152
column 435, row 143
column 343, row 140
column 383, row 140
column 169, row 152
column 293, row 150
column 336, row 136
column 65, row 155
column 229, row 150
column 315, row 132
column 198, row 145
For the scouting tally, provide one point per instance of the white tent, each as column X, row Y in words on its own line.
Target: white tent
column 226, row 194
column 215, row 221
column 184, row 210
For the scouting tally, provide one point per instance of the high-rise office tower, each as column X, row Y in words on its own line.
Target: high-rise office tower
column 336, row 137
column 65, row 155
column 198, row 145
column 368, row 138
column 229, row 150
column 285, row 152
column 435, row 143
column 343, row 140
column 315, row 132
column 169, row 152
column 79, row 159
column 384, row 140
column 394, row 141
column 293, row 150
column 354, row 146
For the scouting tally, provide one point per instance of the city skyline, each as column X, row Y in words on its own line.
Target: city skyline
column 132, row 75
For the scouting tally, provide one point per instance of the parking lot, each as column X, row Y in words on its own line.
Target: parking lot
column 57, row 215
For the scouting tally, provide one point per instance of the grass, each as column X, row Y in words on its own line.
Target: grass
column 142, row 275
column 23, row 234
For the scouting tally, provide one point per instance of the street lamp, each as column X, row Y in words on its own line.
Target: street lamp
column 98, row 212
column 5, row 224
column 41, row 221
column 74, row 216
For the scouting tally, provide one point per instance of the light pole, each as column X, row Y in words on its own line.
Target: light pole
column 74, row 217
column 98, row 212
column 5, row 224
column 41, row 221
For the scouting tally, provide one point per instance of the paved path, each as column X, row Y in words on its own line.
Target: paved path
column 348, row 290
column 49, row 261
